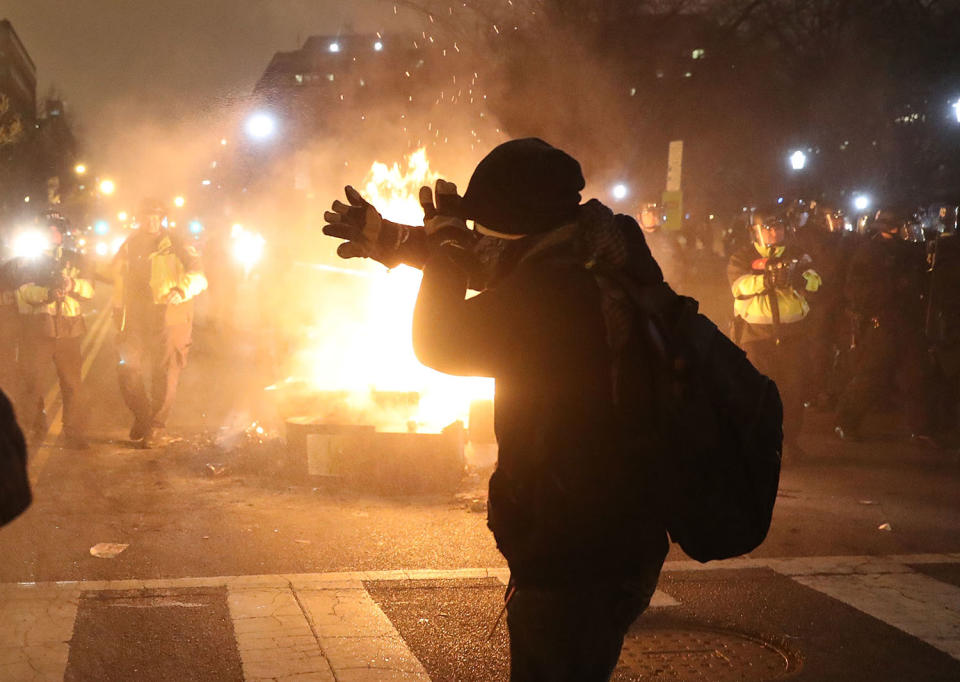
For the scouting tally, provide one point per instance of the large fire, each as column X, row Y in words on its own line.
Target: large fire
column 365, row 348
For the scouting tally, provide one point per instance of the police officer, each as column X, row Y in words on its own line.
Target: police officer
column 771, row 283
column 884, row 294
column 156, row 277
column 51, row 285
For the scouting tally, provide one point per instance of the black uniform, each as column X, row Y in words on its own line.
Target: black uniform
column 884, row 293
column 943, row 331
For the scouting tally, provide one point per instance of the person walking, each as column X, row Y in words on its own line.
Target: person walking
column 51, row 286
column 156, row 276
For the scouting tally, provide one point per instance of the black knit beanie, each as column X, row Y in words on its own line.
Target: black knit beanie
column 524, row 187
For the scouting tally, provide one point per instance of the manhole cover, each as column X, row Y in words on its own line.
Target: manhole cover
column 714, row 655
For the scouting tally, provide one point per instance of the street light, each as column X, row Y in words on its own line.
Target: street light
column 261, row 126
column 798, row 160
column 861, row 202
column 179, row 202
column 956, row 109
column 620, row 191
column 107, row 187
column 80, row 169
column 30, row 244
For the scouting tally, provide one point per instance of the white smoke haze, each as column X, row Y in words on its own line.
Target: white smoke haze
column 337, row 333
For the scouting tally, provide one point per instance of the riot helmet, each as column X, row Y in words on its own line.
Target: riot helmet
column 768, row 228
column 886, row 221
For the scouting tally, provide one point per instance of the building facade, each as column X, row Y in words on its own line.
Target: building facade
column 18, row 74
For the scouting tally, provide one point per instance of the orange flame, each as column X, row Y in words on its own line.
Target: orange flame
column 373, row 348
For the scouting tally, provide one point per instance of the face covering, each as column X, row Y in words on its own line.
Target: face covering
column 490, row 255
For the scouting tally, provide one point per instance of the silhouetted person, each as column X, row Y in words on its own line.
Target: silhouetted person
column 884, row 292
column 578, row 533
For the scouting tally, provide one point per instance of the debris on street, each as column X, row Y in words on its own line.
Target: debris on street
column 107, row 550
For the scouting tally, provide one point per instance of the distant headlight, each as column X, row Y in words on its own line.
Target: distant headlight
column 30, row 244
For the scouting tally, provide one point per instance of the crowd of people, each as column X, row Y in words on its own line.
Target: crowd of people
column 849, row 318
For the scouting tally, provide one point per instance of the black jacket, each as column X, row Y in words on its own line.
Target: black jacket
column 886, row 282
column 560, row 506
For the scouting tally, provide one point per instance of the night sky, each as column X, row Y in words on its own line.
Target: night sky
column 114, row 60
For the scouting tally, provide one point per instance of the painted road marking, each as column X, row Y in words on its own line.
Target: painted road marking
column 919, row 605
column 325, row 626
column 89, row 349
column 54, row 391
column 356, row 636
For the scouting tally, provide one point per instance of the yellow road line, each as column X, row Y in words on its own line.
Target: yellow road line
column 100, row 330
column 88, row 337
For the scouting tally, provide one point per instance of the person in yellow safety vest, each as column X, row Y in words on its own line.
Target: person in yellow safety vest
column 51, row 285
column 770, row 286
column 156, row 274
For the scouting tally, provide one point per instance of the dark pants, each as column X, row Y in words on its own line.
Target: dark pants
column 889, row 365
column 786, row 363
column 9, row 342
column 148, row 346
column 37, row 351
column 573, row 633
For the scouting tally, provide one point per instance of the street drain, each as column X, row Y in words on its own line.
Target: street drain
column 675, row 655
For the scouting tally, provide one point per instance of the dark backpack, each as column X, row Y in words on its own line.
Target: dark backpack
column 716, row 422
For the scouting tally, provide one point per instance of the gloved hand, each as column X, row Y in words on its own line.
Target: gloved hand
column 446, row 212
column 368, row 235
column 446, row 230
column 174, row 297
column 807, row 280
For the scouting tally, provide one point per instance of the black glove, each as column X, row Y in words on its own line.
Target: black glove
column 777, row 275
column 446, row 230
column 368, row 235
column 797, row 280
column 444, row 216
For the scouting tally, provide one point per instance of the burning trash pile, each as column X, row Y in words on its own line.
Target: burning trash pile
column 358, row 406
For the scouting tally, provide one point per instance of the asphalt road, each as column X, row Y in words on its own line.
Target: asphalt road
column 206, row 510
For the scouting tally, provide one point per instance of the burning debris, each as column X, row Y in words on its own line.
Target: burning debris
column 357, row 365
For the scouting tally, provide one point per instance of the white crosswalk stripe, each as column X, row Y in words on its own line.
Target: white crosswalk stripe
column 325, row 626
column 920, row 606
